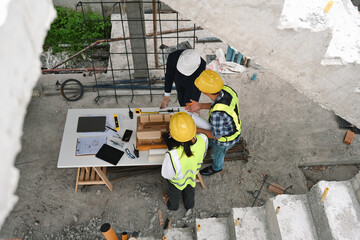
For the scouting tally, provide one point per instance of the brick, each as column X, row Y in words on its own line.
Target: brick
column 349, row 137
column 275, row 188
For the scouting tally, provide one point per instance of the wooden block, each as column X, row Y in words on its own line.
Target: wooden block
column 148, row 135
column 156, row 118
column 275, row 188
column 144, row 119
column 349, row 137
column 166, row 117
column 147, row 147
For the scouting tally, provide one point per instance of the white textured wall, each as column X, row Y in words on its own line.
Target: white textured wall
column 295, row 56
column 22, row 34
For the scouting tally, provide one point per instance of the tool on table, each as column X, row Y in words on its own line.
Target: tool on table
column 127, row 135
column 136, row 152
column 138, row 111
column 171, row 110
column 131, row 114
column 117, row 144
column 116, row 120
column 111, row 128
column 129, row 153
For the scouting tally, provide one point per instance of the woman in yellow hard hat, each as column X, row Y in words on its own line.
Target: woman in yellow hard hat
column 183, row 162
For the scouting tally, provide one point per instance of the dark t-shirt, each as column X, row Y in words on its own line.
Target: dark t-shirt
column 173, row 75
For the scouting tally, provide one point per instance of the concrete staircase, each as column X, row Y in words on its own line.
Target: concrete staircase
column 288, row 217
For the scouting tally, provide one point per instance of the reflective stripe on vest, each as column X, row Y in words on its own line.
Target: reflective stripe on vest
column 230, row 105
column 186, row 167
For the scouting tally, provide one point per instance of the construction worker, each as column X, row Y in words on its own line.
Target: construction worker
column 224, row 117
column 183, row 162
column 183, row 67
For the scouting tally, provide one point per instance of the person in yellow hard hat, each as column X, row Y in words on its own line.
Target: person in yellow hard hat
column 224, row 117
column 183, row 162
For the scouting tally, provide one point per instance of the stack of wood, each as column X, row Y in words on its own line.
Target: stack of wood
column 237, row 152
column 150, row 128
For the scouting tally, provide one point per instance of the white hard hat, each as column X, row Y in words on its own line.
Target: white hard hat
column 188, row 62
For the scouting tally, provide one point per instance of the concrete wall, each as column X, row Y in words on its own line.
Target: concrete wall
column 22, row 35
column 295, row 56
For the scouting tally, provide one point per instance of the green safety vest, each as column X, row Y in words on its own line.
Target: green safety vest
column 229, row 104
column 186, row 167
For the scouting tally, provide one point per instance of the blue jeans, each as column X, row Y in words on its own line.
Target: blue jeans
column 218, row 154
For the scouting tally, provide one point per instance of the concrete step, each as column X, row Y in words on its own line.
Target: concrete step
column 356, row 186
column 180, row 234
column 293, row 220
column 251, row 223
column 338, row 217
column 213, row 229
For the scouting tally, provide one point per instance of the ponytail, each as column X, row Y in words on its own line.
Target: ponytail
column 186, row 146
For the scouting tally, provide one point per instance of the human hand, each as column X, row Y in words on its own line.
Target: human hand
column 165, row 102
column 193, row 106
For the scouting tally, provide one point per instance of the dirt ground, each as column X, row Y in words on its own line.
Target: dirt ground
column 281, row 126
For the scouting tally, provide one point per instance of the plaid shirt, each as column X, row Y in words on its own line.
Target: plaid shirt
column 221, row 125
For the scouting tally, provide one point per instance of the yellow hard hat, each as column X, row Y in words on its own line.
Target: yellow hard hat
column 182, row 127
column 209, row 82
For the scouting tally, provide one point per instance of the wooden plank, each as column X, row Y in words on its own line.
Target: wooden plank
column 275, row 188
column 82, row 173
column 148, row 135
column 92, row 176
column 200, row 180
column 104, row 178
column 147, row 147
column 87, row 176
column 77, row 180
column 91, row 182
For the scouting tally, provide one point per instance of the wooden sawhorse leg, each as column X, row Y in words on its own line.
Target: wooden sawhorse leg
column 92, row 176
column 199, row 179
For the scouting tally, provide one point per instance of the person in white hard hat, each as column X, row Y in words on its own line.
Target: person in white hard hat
column 183, row 67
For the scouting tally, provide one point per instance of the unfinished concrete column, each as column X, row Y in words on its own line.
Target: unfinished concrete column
column 135, row 15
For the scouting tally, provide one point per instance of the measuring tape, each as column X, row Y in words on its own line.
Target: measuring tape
column 129, row 153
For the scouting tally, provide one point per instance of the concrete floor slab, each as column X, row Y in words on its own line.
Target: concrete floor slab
column 294, row 217
column 252, row 223
column 212, row 229
column 337, row 217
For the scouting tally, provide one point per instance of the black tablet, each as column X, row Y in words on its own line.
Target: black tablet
column 109, row 154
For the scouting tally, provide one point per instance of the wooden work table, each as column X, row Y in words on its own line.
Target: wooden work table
column 92, row 170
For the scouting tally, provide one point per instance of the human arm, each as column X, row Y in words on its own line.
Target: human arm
column 167, row 169
column 169, row 80
column 195, row 106
column 208, row 133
